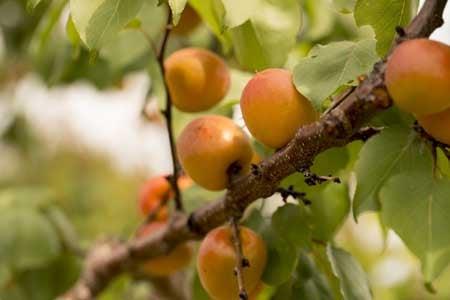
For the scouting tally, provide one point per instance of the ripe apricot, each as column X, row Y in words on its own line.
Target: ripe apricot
column 172, row 262
column 418, row 76
column 209, row 147
column 437, row 125
column 156, row 190
column 189, row 20
column 217, row 259
column 197, row 79
column 273, row 109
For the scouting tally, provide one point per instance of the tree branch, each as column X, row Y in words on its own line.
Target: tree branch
column 334, row 129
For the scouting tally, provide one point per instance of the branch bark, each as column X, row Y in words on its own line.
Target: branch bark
column 336, row 128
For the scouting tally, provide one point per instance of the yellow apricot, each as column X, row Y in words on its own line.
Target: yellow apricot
column 197, row 79
column 273, row 109
column 418, row 76
column 209, row 146
column 170, row 263
column 437, row 125
column 217, row 259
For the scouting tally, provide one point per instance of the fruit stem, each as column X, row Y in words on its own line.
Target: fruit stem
column 173, row 179
column 241, row 261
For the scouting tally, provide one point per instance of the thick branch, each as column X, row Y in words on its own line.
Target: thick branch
column 335, row 128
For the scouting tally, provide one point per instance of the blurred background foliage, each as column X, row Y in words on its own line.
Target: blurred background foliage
column 57, row 198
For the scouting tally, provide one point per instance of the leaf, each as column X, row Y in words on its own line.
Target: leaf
column 416, row 206
column 198, row 292
column 212, row 14
column 310, row 283
column 328, row 67
column 27, row 239
column 177, row 7
column 72, row 33
column 290, row 222
column 266, row 39
column 394, row 150
column 99, row 21
column 353, row 280
column 237, row 12
column 25, row 197
column 344, row 6
column 282, row 255
column 31, row 4
column 384, row 16
column 321, row 19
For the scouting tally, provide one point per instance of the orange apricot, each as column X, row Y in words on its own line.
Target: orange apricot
column 217, row 260
column 418, row 76
column 273, row 109
column 437, row 125
column 197, row 79
column 209, row 147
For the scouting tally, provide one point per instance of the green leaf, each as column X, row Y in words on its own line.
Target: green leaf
column 282, row 255
column 290, row 222
column 353, row 280
column 31, row 4
column 177, row 7
column 27, row 239
column 321, row 19
column 416, row 206
column 72, row 33
column 331, row 161
column 211, row 12
column 25, row 197
column 345, row 6
column 384, row 16
column 328, row 67
column 237, row 12
column 329, row 209
column 99, row 21
column 394, row 150
column 266, row 39
column 310, row 283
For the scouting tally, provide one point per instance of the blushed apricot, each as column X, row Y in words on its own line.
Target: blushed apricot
column 217, row 259
column 209, row 146
column 197, row 79
column 273, row 109
column 189, row 20
column 170, row 263
column 156, row 190
column 437, row 125
column 418, row 76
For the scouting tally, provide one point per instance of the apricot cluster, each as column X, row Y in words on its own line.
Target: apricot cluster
column 418, row 79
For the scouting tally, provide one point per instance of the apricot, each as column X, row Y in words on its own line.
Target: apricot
column 156, row 190
column 210, row 147
column 437, row 125
column 197, row 79
column 189, row 20
column 217, row 259
column 273, row 109
column 172, row 262
column 418, row 76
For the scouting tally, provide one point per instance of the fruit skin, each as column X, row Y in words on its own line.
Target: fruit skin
column 154, row 191
column 208, row 146
column 197, row 79
column 217, row 259
column 165, row 265
column 437, row 125
column 273, row 109
column 189, row 20
column 418, row 76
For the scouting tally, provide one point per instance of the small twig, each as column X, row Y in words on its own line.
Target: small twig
column 290, row 192
column 241, row 261
column 173, row 179
column 434, row 143
column 314, row 179
column 365, row 133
